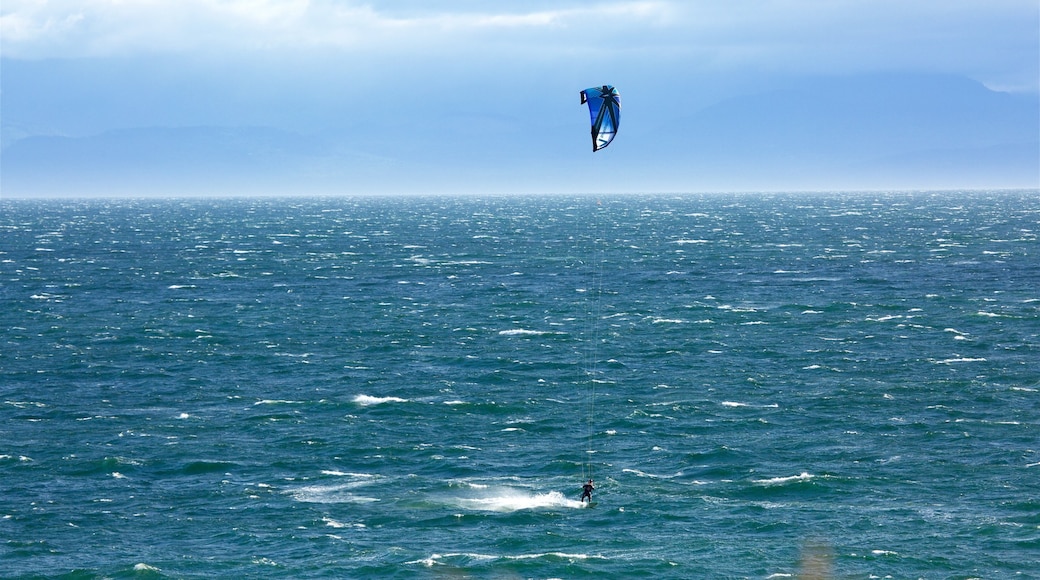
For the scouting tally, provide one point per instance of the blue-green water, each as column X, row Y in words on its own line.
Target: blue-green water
column 345, row 388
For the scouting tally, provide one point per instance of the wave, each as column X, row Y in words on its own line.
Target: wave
column 638, row 473
column 463, row 558
column 204, row 467
column 804, row 476
column 736, row 404
column 346, row 474
column 511, row 500
column 368, row 400
column 959, row 360
column 337, row 524
column 277, row 402
column 644, row 474
column 525, row 332
column 339, row 493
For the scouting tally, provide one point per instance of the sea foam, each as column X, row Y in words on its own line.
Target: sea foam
column 511, row 500
column 367, row 400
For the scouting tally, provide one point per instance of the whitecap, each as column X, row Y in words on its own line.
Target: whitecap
column 561, row 555
column 638, row 473
column 960, row 360
column 436, row 558
column 335, row 524
column 510, row 500
column 340, row 493
column 469, row 484
column 367, row 400
column 804, row 476
column 524, row 332
column 346, row 474
column 736, row 404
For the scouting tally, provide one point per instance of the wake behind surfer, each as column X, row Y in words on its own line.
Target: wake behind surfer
column 586, row 491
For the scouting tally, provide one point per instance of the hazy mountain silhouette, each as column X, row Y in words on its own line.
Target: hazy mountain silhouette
column 874, row 131
column 868, row 131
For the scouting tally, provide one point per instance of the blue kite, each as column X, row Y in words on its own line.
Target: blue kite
column 605, row 110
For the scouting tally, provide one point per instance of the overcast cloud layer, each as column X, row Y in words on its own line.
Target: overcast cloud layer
column 993, row 41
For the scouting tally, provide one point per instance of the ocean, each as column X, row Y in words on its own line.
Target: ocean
column 841, row 385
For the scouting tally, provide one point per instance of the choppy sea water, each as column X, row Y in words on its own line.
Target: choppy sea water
column 762, row 386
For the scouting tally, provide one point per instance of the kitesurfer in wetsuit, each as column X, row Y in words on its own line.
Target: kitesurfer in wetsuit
column 586, row 491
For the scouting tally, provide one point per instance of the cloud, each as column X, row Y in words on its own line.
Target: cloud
column 644, row 42
column 102, row 28
column 977, row 38
column 997, row 38
column 35, row 29
column 995, row 41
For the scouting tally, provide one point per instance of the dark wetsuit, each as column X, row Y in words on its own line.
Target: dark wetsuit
column 586, row 492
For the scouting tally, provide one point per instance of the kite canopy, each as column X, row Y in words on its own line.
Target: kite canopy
column 605, row 111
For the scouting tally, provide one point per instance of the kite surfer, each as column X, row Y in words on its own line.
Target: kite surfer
column 586, row 491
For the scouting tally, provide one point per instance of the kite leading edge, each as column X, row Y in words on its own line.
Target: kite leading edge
column 605, row 111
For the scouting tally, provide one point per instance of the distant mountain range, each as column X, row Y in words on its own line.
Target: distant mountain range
column 864, row 132
column 881, row 131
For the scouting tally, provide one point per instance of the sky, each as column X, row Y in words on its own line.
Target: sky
column 419, row 95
